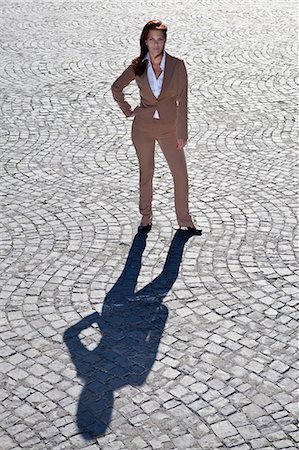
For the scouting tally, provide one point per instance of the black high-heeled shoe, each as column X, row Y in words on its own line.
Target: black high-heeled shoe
column 192, row 230
column 145, row 228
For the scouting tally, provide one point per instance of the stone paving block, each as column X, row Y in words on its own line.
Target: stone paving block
column 186, row 441
column 249, row 432
column 209, row 442
column 283, row 444
column 293, row 408
column 150, row 406
column 224, row 429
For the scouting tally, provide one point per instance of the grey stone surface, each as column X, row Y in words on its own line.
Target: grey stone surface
column 206, row 358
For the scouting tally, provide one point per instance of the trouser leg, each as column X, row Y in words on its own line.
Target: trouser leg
column 177, row 164
column 144, row 145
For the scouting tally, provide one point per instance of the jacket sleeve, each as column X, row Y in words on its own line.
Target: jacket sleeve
column 182, row 123
column 117, row 89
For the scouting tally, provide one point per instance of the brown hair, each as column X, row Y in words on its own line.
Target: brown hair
column 139, row 65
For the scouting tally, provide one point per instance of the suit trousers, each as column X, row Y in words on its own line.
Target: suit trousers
column 144, row 135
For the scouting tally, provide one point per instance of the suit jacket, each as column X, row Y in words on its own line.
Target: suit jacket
column 172, row 103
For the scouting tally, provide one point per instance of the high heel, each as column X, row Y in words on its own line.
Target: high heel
column 144, row 228
column 192, row 230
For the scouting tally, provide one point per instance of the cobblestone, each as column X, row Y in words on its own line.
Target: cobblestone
column 102, row 344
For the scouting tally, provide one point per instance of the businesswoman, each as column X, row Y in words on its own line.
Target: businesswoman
column 162, row 116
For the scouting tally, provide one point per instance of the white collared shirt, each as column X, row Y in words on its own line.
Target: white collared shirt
column 155, row 84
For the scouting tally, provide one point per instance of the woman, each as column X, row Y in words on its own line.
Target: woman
column 162, row 116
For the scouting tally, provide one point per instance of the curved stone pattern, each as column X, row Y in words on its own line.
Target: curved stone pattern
column 109, row 341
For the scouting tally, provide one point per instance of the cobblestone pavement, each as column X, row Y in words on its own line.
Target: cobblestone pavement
column 110, row 340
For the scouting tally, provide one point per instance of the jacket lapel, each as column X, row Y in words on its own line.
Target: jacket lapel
column 167, row 72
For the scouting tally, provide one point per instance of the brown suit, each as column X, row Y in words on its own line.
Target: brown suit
column 172, row 101
column 172, row 125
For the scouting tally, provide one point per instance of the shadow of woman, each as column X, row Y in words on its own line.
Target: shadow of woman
column 131, row 325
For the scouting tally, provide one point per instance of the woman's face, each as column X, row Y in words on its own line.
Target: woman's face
column 155, row 42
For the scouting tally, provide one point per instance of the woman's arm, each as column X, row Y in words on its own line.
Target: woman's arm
column 182, row 124
column 117, row 90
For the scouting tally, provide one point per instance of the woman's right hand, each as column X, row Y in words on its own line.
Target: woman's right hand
column 181, row 143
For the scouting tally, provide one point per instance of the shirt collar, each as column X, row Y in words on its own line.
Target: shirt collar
column 162, row 64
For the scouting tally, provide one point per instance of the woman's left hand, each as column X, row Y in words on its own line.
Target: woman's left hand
column 181, row 144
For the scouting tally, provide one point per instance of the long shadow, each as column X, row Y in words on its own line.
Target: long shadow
column 131, row 325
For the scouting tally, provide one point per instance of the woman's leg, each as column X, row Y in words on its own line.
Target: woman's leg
column 177, row 164
column 144, row 144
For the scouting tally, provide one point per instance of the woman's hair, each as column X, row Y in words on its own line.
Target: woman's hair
column 139, row 65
